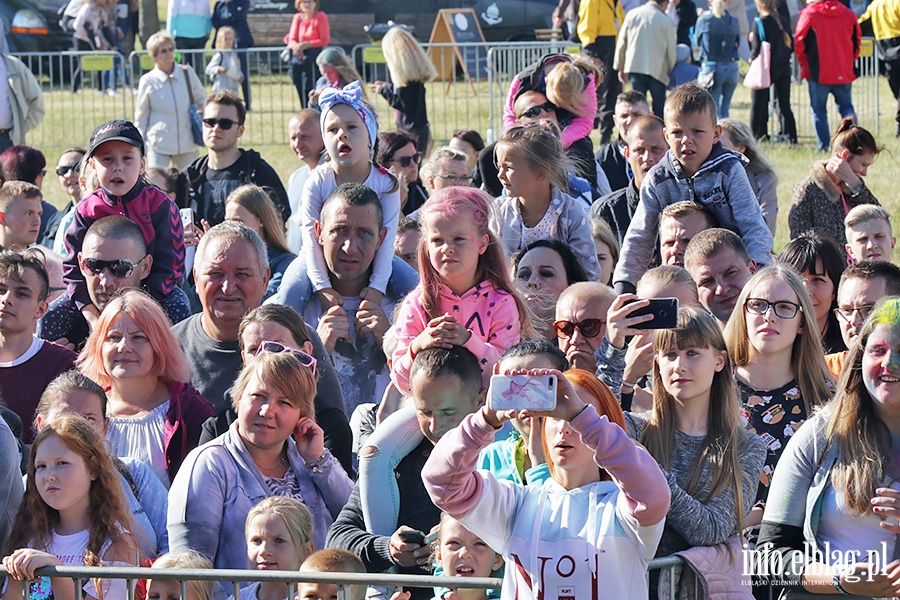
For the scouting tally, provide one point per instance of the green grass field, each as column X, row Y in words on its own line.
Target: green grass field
column 70, row 118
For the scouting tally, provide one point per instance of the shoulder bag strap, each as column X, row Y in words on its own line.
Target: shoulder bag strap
column 187, row 82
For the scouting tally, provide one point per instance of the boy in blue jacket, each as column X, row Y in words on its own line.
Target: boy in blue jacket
column 696, row 167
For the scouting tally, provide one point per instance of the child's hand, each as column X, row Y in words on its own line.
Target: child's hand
column 371, row 318
column 22, row 563
column 451, row 331
column 333, row 326
column 401, row 596
column 329, row 298
column 310, row 440
column 372, row 295
column 222, row 69
column 435, row 335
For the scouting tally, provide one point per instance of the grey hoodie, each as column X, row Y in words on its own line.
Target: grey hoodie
column 721, row 185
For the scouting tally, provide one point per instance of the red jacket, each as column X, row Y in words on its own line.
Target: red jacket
column 827, row 42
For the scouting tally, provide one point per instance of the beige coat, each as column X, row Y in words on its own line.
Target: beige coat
column 25, row 97
column 646, row 43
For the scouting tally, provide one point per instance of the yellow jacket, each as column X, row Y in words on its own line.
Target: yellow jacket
column 599, row 18
column 885, row 15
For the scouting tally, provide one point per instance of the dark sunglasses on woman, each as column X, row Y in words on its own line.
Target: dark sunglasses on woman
column 406, row 160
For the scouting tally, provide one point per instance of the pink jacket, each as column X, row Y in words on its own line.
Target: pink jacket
column 491, row 315
column 581, row 126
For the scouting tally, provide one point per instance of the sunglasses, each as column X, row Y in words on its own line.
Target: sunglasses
column 117, row 268
column 63, row 170
column 224, row 124
column 277, row 348
column 464, row 178
column 589, row 328
column 406, row 160
column 535, row 111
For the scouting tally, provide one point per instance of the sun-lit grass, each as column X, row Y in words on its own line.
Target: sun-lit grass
column 70, row 119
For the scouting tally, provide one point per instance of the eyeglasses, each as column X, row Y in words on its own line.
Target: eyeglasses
column 277, row 348
column 406, row 160
column 848, row 312
column 783, row 309
column 589, row 328
column 224, row 124
column 535, row 111
column 166, row 50
column 63, row 170
column 465, row 178
column 117, row 268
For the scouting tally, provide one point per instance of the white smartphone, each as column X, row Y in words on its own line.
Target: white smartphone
column 522, row 392
column 187, row 217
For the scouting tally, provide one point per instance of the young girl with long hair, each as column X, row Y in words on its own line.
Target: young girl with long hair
column 147, row 498
column 73, row 514
column 336, row 70
column 410, row 69
column 465, row 298
column 349, row 131
column 837, row 482
column 606, row 498
column 696, row 435
column 279, row 532
column 252, row 206
column 773, row 339
column 736, row 136
column 532, row 170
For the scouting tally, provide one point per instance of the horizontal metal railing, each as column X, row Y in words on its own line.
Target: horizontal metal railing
column 235, row 577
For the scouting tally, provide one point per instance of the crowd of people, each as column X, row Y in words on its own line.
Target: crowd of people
column 203, row 368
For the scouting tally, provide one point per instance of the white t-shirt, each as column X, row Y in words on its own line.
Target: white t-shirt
column 360, row 364
column 69, row 549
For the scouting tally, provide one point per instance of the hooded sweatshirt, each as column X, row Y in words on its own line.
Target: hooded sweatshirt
column 490, row 315
column 721, row 185
column 827, row 43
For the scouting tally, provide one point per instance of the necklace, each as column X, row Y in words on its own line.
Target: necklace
column 281, row 463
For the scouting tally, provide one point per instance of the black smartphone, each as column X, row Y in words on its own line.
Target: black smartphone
column 664, row 311
column 413, row 537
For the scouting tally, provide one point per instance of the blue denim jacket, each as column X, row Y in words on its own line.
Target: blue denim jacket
column 718, row 39
column 296, row 288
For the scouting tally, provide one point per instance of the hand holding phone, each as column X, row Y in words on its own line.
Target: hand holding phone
column 522, row 392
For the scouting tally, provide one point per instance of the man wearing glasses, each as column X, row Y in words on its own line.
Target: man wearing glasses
column 113, row 258
column 226, row 166
column 580, row 324
column 862, row 285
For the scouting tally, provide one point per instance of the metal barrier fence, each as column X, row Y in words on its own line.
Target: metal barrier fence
column 236, row 576
column 470, row 91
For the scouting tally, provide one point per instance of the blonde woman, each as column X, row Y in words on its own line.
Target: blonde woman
column 737, row 136
column 252, row 206
column 410, row 70
column 446, row 168
column 774, row 342
column 337, row 71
